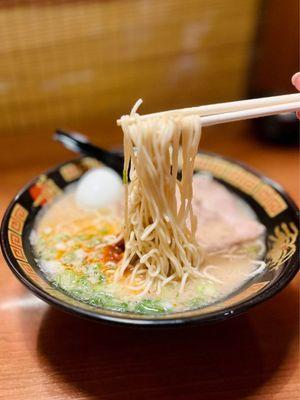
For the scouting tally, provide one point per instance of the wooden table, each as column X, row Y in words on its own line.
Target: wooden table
column 47, row 354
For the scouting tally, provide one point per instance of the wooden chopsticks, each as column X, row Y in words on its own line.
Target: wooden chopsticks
column 233, row 111
column 250, row 113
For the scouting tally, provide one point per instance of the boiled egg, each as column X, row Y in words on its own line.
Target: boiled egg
column 99, row 188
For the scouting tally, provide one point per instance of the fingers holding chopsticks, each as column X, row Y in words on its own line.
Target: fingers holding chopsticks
column 296, row 83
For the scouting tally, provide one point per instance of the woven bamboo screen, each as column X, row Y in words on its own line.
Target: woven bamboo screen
column 79, row 63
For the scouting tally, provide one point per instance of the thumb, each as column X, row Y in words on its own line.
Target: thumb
column 296, row 80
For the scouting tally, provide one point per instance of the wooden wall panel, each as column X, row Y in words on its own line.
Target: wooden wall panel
column 67, row 63
column 277, row 55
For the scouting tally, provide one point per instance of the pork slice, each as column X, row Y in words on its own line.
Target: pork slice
column 222, row 220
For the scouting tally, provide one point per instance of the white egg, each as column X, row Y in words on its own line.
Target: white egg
column 98, row 188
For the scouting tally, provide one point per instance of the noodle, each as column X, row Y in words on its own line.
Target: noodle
column 159, row 232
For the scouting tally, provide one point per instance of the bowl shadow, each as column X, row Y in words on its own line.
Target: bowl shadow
column 218, row 361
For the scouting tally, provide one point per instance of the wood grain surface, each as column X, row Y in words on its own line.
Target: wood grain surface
column 70, row 61
column 47, row 354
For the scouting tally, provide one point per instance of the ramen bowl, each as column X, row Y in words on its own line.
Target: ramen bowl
column 272, row 206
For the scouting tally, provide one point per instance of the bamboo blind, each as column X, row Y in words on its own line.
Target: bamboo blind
column 73, row 62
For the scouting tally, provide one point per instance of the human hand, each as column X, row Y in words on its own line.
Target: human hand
column 296, row 83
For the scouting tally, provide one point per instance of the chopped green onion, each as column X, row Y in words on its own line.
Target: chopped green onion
column 149, row 307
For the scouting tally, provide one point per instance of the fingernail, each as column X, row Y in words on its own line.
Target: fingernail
column 295, row 77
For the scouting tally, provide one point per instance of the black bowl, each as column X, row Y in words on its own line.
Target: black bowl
column 272, row 205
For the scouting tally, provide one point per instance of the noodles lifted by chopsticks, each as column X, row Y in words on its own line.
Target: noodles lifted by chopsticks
column 159, row 233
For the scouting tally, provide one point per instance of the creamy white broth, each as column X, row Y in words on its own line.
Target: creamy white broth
column 76, row 249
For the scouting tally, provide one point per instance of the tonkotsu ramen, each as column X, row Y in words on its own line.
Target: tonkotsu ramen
column 167, row 240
